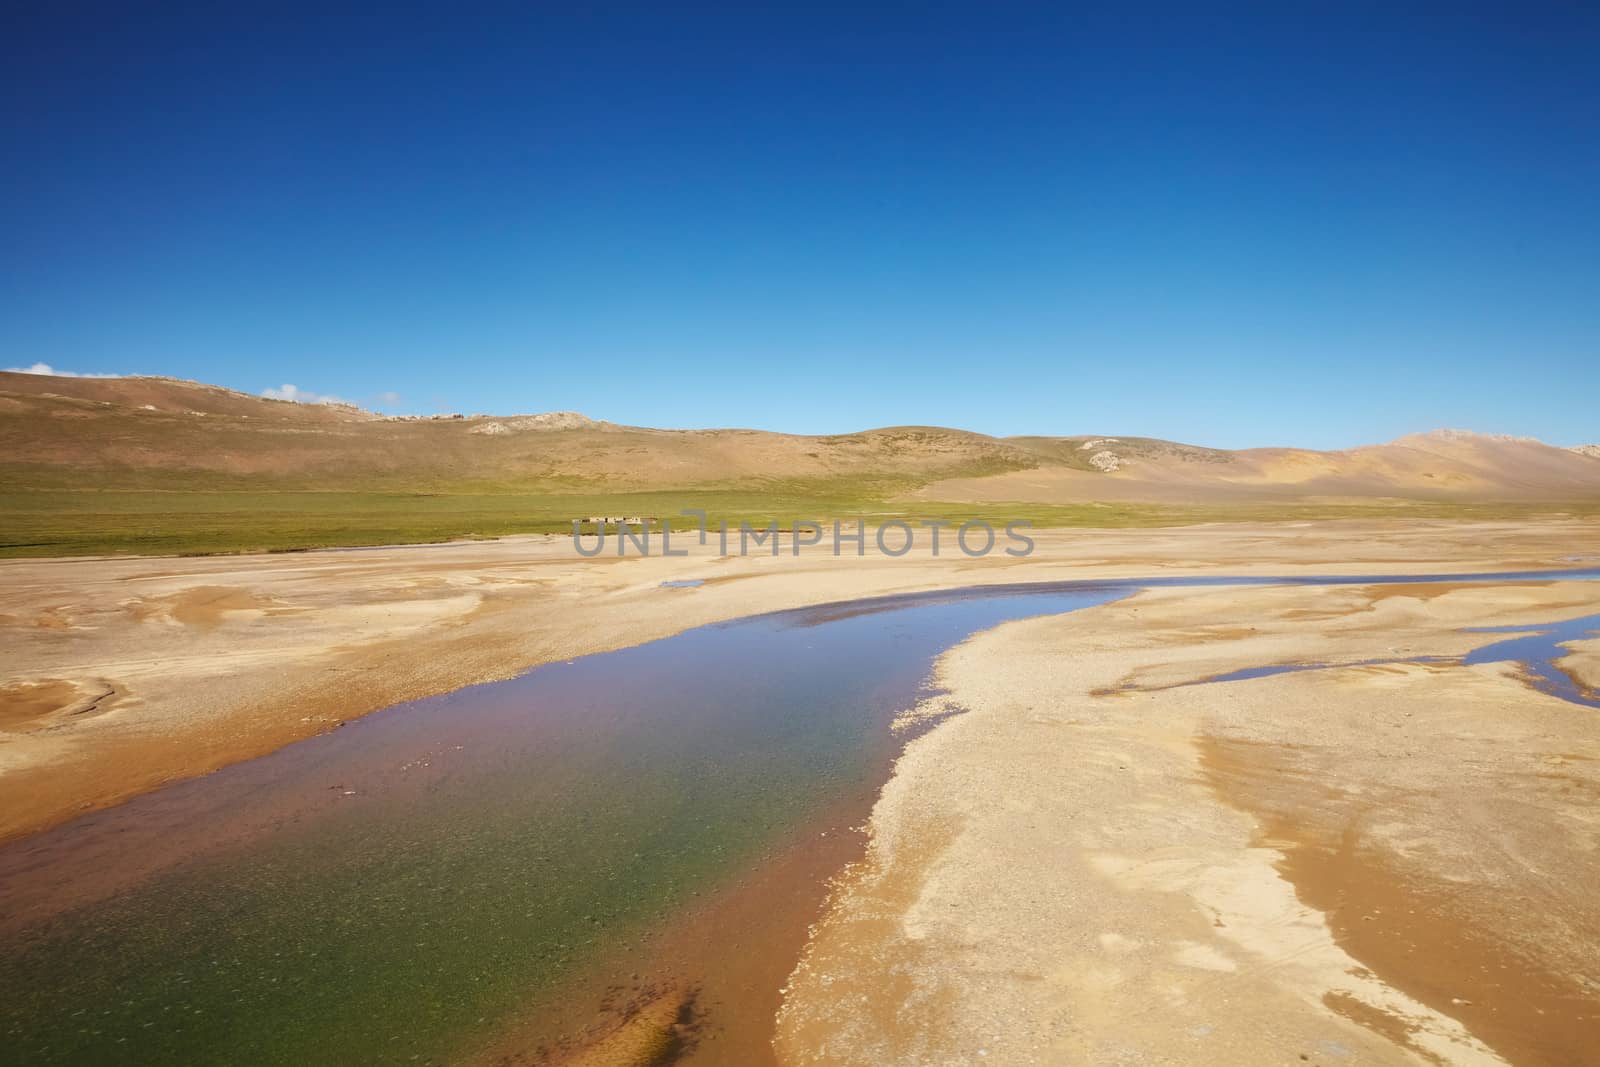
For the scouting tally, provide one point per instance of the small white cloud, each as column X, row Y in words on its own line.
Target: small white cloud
column 299, row 395
column 45, row 368
column 389, row 398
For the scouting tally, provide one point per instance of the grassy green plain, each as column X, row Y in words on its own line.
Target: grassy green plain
column 191, row 521
column 154, row 466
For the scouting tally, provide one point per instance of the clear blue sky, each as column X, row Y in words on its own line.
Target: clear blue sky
column 1270, row 229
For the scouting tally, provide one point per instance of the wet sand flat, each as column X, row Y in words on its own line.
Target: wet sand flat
column 1103, row 863
column 207, row 661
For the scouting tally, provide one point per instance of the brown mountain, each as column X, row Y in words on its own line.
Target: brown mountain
column 1443, row 465
column 165, row 433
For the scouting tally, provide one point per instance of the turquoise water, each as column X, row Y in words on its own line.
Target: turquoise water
column 390, row 891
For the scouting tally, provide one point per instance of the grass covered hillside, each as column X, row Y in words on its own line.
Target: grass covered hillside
column 155, row 465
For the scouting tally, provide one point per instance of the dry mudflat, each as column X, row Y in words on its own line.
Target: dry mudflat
column 1110, row 859
column 119, row 674
column 1098, row 862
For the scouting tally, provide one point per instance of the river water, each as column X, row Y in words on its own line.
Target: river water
column 395, row 890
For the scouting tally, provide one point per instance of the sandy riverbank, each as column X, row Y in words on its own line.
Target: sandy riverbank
column 121, row 674
column 1099, row 863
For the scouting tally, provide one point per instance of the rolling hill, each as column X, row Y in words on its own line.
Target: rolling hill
column 158, row 464
column 163, row 433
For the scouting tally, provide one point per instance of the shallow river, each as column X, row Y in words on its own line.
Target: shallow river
column 397, row 889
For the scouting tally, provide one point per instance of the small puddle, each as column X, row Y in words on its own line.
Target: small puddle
column 1244, row 674
column 1536, row 652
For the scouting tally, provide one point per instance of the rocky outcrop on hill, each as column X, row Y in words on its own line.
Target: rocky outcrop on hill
column 549, row 420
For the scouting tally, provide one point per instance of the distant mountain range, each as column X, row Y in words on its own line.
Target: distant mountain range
column 65, row 432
